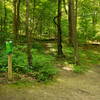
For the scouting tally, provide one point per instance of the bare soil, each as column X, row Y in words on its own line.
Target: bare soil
column 69, row 86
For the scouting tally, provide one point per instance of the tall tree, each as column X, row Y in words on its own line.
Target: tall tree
column 71, row 21
column 28, row 35
column 75, row 42
column 94, row 15
column 73, row 28
column 59, row 36
column 16, row 18
column 5, row 16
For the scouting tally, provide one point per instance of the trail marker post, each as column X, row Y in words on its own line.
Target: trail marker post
column 9, row 49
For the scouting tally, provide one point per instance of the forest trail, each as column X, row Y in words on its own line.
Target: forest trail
column 69, row 86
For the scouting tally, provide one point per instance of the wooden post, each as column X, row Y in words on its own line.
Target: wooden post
column 10, row 76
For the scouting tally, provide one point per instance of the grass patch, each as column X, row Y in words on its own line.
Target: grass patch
column 80, row 69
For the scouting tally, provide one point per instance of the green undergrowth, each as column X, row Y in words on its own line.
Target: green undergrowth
column 80, row 68
column 88, row 57
column 45, row 65
column 42, row 68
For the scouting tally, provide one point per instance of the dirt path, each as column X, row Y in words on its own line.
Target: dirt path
column 69, row 86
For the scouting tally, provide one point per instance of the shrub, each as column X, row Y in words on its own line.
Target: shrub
column 20, row 62
column 80, row 69
column 38, row 46
column 3, row 62
column 43, row 67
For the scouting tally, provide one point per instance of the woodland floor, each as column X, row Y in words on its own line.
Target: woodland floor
column 68, row 86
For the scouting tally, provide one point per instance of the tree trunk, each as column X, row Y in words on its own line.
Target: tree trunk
column 5, row 16
column 73, row 28
column 28, row 34
column 94, row 21
column 71, row 21
column 1, row 24
column 16, row 19
column 75, row 42
column 59, row 36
